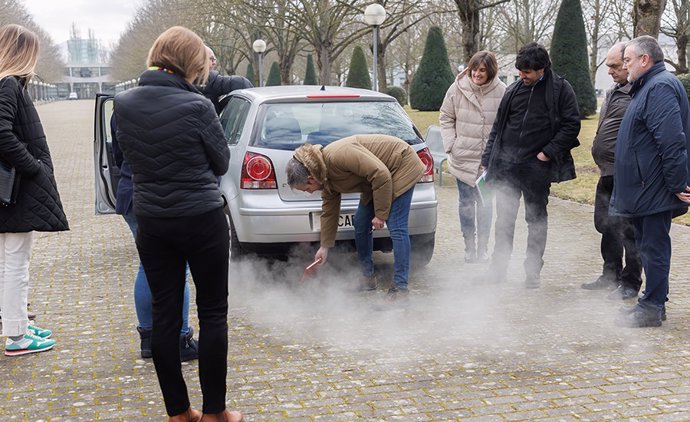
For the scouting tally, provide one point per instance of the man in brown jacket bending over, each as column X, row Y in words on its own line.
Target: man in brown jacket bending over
column 384, row 169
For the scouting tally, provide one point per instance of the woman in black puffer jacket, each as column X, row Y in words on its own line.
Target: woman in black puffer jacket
column 37, row 207
column 171, row 137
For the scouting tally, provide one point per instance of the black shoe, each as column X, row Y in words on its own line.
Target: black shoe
column 145, row 336
column 470, row 257
column 600, row 283
column 639, row 317
column 367, row 283
column 532, row 282
column 189, row 348
column 395, row 298
column 482, row 257
column 629, row 309
column 622, row 293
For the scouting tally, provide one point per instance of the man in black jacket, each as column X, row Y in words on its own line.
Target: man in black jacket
column 617, row 233
column 219, row 85
column 529, row 147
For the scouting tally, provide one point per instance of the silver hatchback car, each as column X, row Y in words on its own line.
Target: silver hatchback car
column 263, row 127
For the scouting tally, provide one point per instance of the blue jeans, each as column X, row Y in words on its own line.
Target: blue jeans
column 143, row 301
column 471, row 209
column 397, row 226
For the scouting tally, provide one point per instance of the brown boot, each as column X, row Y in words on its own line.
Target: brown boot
column 189, row 415
column 226, row 416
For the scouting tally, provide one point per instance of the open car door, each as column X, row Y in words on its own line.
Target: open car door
column 106, row 171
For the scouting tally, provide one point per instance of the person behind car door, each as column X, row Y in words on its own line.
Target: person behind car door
column 219, row 85
column 384, row 169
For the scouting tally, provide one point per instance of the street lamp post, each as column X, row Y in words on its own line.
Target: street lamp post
column 259, row 47
column 374, row 15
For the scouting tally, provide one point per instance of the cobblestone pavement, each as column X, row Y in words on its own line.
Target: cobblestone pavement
column 462, row 350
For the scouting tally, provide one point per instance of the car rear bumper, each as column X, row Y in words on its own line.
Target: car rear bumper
column 296, row 226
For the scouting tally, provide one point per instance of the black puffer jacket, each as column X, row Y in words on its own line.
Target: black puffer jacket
column 23, row 145
column 171, row 137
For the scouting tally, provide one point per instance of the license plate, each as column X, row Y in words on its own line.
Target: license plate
column 345, row 221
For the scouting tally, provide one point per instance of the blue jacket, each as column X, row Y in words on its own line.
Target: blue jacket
column 651, row 163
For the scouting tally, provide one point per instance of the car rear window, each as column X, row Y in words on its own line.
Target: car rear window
column 288, row 125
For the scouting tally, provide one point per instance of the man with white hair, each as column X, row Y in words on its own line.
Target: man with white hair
column 651, row 170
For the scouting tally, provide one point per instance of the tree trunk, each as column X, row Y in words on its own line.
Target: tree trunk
column 381, row 71
column 323, row 58
column 647, row 17
column 682, row 48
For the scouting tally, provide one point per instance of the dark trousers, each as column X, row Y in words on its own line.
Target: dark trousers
column 654, row 242
column 165, row 247
column 532, row 181
column 617, row 240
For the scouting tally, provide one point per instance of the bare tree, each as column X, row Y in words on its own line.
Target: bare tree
column 676, row 24
column 401, row 16
column 647, row 17
column 50, row 62
column 620, row 17
column 524, row 21
column 469, row 13
column 598, row 27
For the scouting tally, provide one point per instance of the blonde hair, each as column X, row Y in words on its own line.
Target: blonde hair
column 307, row 161
column 18, row 51
column 182, row 51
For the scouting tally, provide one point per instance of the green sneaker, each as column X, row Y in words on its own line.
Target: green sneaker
column 39, row 332
column 28, row 344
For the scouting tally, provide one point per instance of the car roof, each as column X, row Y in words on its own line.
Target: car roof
column 300, row 92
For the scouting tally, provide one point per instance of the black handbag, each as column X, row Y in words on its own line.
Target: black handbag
column 9, row 184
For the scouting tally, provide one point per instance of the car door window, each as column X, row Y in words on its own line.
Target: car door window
column 233, row 119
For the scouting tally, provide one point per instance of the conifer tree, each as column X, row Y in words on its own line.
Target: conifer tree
column 358, row 75
column 434, row 75
column 310, row 75
column 250, row 74
column 569, row 56
column 273, row 75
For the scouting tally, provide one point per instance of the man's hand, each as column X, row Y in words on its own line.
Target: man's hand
column 321, row 254
column 377, row 223
column 684, row 196
column 543, row 157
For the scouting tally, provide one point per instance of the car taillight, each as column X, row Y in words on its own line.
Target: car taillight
column 428, row 161
column 257, row 172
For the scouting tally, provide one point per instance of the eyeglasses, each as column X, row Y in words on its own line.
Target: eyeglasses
column 627, row 60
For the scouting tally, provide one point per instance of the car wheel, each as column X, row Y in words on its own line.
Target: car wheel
column 422, row 249
column 236, row 251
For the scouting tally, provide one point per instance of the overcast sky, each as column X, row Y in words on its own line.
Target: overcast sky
column 108, row 19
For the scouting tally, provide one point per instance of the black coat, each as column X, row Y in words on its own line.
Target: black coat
column 171, row 137
column 23, row 145
column 565, row 126
column 219, row 85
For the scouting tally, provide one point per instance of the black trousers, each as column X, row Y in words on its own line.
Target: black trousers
column 165, row 247
column 617, row 240
column 532, row 181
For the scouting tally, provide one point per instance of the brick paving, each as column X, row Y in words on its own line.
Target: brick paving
column 461, row 351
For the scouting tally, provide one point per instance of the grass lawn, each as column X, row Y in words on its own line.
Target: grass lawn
column 580, row 189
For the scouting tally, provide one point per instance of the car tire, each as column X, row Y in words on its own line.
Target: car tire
column 422, row 249
column 236, row 251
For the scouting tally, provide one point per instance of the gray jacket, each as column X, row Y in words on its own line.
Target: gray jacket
column 612, row 110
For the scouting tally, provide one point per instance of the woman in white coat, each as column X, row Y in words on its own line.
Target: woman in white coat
column 466, row 117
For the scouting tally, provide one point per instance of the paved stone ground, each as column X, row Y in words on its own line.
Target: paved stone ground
column 462, row 350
